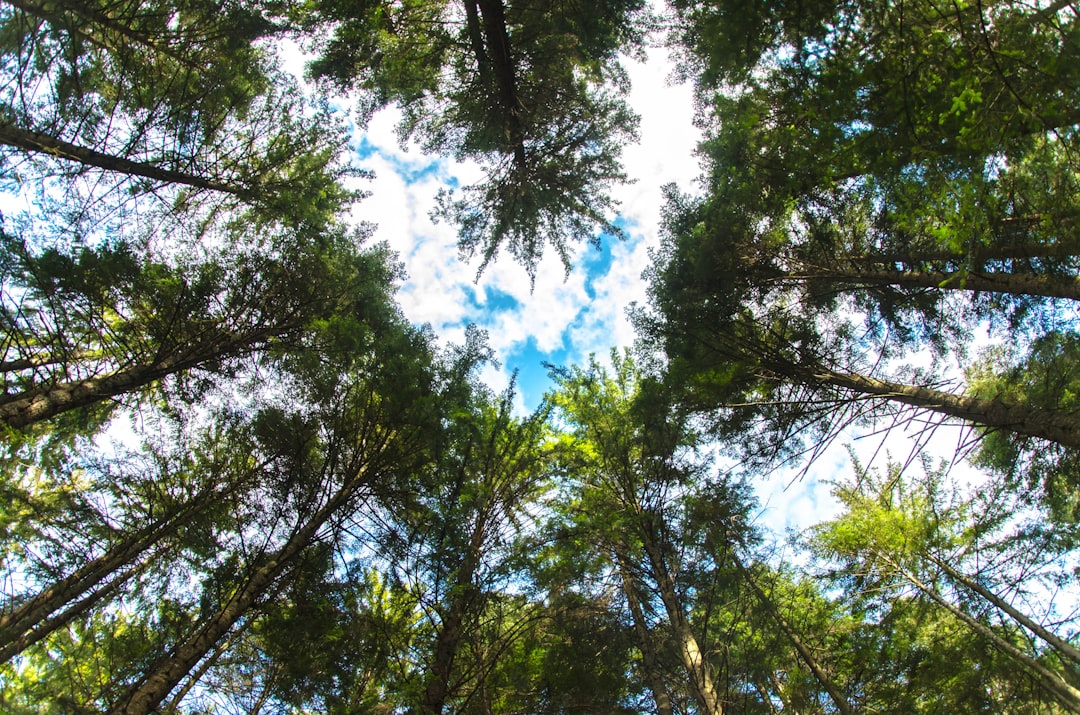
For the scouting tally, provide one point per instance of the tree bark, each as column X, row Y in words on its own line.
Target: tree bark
column 170, row 670
column 1062, row 428
column 1065, row 648
column 462, row 597
column 697, row 667
column 33, row 619
column 22, row 409
column 978, row 254
column 21, row 640
column 502, row 65
column 88, row 17
column 649, row 661
column 36, row 142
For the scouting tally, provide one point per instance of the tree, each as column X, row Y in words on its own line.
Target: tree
column 364, row 440
column 902, row 165
column 82, row 116
column 455, row 543
column 634, row 455
column 86, row 326
column 184, row 502
column 896, row 537
column 522, row 87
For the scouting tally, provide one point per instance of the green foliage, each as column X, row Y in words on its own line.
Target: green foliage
column 327, row 512
column 1046, row 376
column 526, row 89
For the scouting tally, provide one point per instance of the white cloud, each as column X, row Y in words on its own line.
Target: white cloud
column 556, row 311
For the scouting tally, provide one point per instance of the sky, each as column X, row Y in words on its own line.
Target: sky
column 561, row 319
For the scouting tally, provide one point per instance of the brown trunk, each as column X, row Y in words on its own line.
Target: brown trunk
column 1057, row 427
column 45, row 144
column 1063, row 647
column 22, row 409
column 1045, row 286
column 54, row 621
column 462, row 597
column 1053, row 682
column 697, row 667
column 818, row 672
column 170, row 670
column 502, row 65
column 33, row 620
column 981, row 254
column 476, row 40
column 649, row 661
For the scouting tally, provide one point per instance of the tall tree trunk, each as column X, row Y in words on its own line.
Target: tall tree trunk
column 815, row 668
column 976, row 255
column 649, row 661
column 1066, row 694
column 55, row 620
column 1045, row 286
column 502, row 64
column 22, row 409
column 697, row 666
column 33, row 619
column 1059, row 427
column 36, row 142
column 170, row 670
column 463, row 595
column 1065, row 648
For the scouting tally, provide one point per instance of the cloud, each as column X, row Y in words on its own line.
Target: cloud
column 558, row 318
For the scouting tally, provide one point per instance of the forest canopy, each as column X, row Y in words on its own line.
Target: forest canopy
column 236, row 478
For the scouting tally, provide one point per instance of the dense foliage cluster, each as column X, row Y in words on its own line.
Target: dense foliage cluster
column 317, row 508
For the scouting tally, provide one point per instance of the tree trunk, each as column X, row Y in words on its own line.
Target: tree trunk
column 82, row 20
column 1065, row 648
column 33, row 619
column 697, row 667
column 45, row 144
column 819, row 673
column 649, row 660
column 21, row 409
column 25, row 638
column 502, row 65
column 463, row 594
column 977, row 255
column 1045, row 286
column 1053, row 682
column 1059, row 427
column 170, row 670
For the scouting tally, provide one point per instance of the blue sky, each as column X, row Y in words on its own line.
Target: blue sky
column 561, row 319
